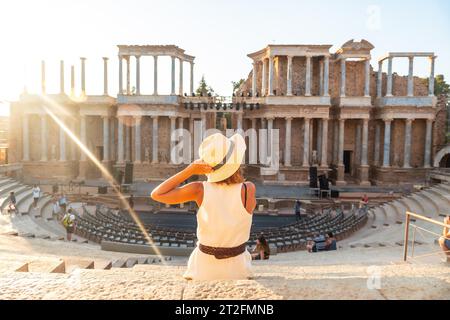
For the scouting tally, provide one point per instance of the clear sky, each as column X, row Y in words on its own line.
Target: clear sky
column 218, row 33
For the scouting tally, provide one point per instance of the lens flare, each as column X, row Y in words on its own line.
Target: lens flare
column 100, row 166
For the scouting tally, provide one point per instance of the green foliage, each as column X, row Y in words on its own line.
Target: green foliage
column 440, row 86
column 204, row 88
column 237, row 84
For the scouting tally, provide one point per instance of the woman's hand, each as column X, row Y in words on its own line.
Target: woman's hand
column 199, row 167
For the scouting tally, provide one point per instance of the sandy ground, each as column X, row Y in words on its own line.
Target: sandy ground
column 360, row 273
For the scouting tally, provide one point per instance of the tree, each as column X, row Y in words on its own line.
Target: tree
column 440, row 86
column 204, row 88
column 237, row 84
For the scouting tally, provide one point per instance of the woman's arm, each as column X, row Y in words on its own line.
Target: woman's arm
column 251, row 198
column 170, row 192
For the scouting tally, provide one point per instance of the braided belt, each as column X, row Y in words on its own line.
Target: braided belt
column 223, row 253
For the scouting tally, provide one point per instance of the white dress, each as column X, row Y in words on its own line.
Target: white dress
column 222, row 221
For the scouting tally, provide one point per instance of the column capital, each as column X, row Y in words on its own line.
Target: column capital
column 173, row 117
column 388, row 120
column 289, row 118
column 411, row 58
column 139, row 117
column 154, row 117
column 409, row 120
column 105, row 58
column 83, row 58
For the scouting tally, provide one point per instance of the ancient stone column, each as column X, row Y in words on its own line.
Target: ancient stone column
column 389, row 78
column 43, row 85
column 239, row 122
column 120, row 75
column 428, row 137
column 336, row 142
column 83, row 136
column 365, row 142
column 191, row 133
column 326, row 77
column 138, row 75
column 407, row 150
column 155, row 75
column 287, row 148
column 254, row 79
column 105, row 76
column 289, row 76
column 180, row 123
column 269, row 135
column 411, row 77
column 44, row 137
column 343, row 77
column 319, row 138
column 358, row 141
column 61, row 77
column 83, row 76
column 324, row 152
column 320, row 77
column 25, row 138
column 120, row 151
column 376, row 152
column 431, row 79
column 180, row 88
column 172, row 92
column 192, row 77
column 137, row 139
column 308, row 77
column 270, row 76
column 155, row 139
column 341, row 142
column 127, row 58
column 112, row 142
column 263, row 138
column 306, row 135
column 367, row 78
column 263, row 78
column 172, row 142
column 127, row 139
column 253, row 145
column 387, row 143
column 72, row 80
column 73, row 146
column 105, row 138
column 62, row 145
column 203, row 117
column 380, row 79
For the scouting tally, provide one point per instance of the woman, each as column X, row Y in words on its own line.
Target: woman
column 226, row 203
column 262, row 250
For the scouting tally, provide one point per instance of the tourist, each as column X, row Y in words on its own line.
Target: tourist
column 297, row 210
column 12, row 202
column 317, row 244
column 330, row 242
column 56, row 208
column 69, row 224
column 226, row 203
column 262, row 249
column 36, row 194
column 131, row 202
column 444, row 241
column 63, row 202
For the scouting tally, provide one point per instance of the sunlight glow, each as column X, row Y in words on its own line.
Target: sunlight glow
column 104, row 171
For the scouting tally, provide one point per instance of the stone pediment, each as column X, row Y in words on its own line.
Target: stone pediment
column 353, row 47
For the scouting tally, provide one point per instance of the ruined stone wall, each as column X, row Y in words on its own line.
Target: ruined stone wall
column 440, row 125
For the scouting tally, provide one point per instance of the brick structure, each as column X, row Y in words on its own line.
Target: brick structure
column 333, row 111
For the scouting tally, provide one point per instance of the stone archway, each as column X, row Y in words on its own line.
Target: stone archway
column 440, row 155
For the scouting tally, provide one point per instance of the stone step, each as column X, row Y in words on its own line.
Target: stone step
column 47, row 266
column 72, row 264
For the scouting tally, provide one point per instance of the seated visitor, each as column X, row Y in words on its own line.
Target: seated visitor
column 226, row 203
column 444, row 241
column 12, row 202
column 63, row 202
column 262, row 250
column 330, row 242
column 317, row 244
column 297, row 210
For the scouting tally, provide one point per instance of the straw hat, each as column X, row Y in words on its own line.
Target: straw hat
column 224, row 154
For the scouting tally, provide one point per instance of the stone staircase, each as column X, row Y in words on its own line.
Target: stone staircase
column 385, row 226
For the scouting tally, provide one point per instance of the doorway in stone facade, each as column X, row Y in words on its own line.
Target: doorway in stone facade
column 348, row 161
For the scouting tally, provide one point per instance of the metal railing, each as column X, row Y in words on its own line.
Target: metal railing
column 408, row 224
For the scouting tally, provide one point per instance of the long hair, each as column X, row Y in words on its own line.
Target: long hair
column 234, row 178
